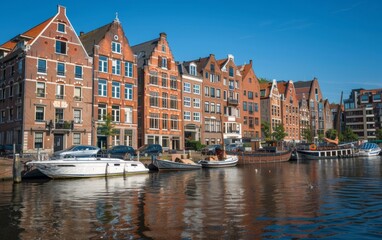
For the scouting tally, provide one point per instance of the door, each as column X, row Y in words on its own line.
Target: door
column 58, row 142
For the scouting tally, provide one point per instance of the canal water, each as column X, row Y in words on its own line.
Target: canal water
column 332, row 199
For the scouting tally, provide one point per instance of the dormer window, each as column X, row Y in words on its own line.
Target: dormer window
column 116, row 47
column 61, row 27
column 193, row 70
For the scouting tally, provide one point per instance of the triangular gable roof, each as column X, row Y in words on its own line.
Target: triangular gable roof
column 94, row 37
column 144, row 50
column 31, row 34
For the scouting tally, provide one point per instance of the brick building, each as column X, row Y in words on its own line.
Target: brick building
column 270, row 100
column 159, row 95
column 304, row 118
column 114, row 85
column 250, row 104
column 289, row 111
column 46, row 87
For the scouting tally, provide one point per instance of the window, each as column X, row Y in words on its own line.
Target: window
column 187, row 101
column 173, row 102
column 102, row 87
column 154, row 99
column 77, row 94
column 217, row 93
column 196, row 116
column 116, row 67
column 174, row 122
column 41, row 65
column 61, row 27
column 250, row 95
column 193, row 70
column 116, row 47
column 128, row 91
column 163, row 48
column 77, row 116
column 212, row 107
column 40, row 89
column 153, row 78
column 60, row 91
column 244, row 106
column 154, row 120
column 164, row 121
column 38, row 140
column 128, row 136
column 218, row 108
column 212, row 92
column 39, row 114
column 187, row 116
column 115, row 114
column 164, row 80
column 186, row 87
column 164, row 100
column 60, row 47
column 196, row 102
column 60, row 69
column 102, row 64
column 128, row 69
column 256, row 107
column 206, row 107
column 173, row 82
column 18, row 113
column 197, row 89
column 128, row 115
column 164, row 62
column 206, row 91
column 59, row 115
column 76, row 138
column 231, row 74
column 78, row 72
column 102, row 112
column 115, row 90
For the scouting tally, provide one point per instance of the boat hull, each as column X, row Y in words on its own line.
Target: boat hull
column 326, row 154
column 230, row 161
column 369, row 150
column 171, row 165
column 264, row 157
column 85, row 168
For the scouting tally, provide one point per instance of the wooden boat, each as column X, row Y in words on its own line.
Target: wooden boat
column 87, row 167
column 368, row 150
column 177, row 164
column 212, row 162
column 262, row 156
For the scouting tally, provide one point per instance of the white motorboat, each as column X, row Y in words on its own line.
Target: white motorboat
column 87, row 167
column 368, row 150
column 228, row 161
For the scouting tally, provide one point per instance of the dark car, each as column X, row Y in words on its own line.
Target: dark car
column 210, row 149
column 150, row 149
column 121, row 151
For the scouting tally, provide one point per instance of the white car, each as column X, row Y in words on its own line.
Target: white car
column 77, row 151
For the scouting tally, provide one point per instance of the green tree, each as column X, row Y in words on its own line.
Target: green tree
column 379, row 134
column 263, row 80
column 279, row 133
column 307, row 135
column 266, row 130
column 107, row 128
column 348, row 135
column 331, row 134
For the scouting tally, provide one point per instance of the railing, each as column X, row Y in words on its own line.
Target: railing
column 64, row 125
column 233, row 101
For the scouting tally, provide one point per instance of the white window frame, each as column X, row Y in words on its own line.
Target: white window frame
column 187, row 116
column 187, row 101
column 116, row 47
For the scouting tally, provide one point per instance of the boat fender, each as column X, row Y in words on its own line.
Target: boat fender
column 312, row 147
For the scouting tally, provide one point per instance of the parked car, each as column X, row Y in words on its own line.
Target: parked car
column 150, row 149
column 210, row 149
column 77, row 151
column 121, row 151
column 234, row 147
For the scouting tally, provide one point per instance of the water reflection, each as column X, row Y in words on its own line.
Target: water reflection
column 305, row 199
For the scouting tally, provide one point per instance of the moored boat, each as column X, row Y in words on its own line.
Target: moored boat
column 87, row 167
column 177, row 164
column 227, row 161
column 264, row 157
column 368, row 150
column 326, row 152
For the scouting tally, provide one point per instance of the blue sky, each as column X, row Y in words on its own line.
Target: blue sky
column 337, row 41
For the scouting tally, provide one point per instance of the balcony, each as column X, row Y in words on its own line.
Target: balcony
column 233, row 102
column 64, row 124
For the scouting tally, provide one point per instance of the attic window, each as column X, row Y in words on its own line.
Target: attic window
column 60, row 47
column 116, row 47
column 61, row 27
column 193, row 70
column 163, row 48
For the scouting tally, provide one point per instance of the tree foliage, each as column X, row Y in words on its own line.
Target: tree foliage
column 379, row 134
column 307, row 135
column 331, row 134
column 107, row 127
column 266, row 130
column 348, row 135
column 264, row 80
column 279, row 133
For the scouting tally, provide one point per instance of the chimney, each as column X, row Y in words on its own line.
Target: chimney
column 162, row 35
column 82, row 33
column 250, row 62
column 61, row 9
